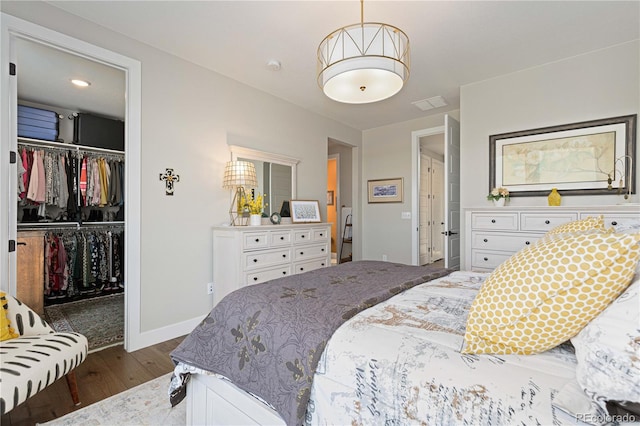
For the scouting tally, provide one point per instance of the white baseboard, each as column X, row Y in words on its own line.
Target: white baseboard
column 159, row 335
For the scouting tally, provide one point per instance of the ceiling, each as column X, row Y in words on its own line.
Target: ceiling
column 453, row 43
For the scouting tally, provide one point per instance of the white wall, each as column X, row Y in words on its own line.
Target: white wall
column 189, row 115
column 387, row 154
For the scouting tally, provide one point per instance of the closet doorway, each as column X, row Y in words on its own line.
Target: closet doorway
column 23, row 37
column 431, row 196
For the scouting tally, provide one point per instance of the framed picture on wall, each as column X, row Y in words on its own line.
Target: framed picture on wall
column 385, row 190
column 305, row 211
column 577, row 158
column 330, row 198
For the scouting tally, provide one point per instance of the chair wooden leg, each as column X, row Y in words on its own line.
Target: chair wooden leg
column 73, row 386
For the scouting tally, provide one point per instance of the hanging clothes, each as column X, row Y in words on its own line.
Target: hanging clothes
column 83, row 262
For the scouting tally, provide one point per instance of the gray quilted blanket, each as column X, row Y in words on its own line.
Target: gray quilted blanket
column 268, row 338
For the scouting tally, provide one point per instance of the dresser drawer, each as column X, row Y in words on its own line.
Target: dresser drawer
column 496, row 221
column 255, row 240
column 616, row 219
column 301, row 267
column 506, row 242
column 266, row 275
column 544, row 221
column 262, row 259
column 307, row 252
column 320, row 234
column 488, row 260
column 280, row 238
column 302, row 236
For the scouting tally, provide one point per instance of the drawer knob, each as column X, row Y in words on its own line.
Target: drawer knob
column 281, row 238
column 301, row 253
column 284, row 255
column 493, row 221
column 257, row 240
column 614, row 223
column 322, row 250
column 527, row 242
column 255, row 260
column 322, row 235
column 546, row 222
column 302, row 269
column 284, row 272
column 485, row 240
column 255, row 278
column 486, row 259
column 322, row 264
column 302, row 236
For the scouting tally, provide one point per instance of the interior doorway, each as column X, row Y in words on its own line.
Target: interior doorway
column 431, row 196
column 333, row 195
column 15, row 31
column 343, row 196
column 446, row 146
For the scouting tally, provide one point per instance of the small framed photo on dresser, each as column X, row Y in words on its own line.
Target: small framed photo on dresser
column 303, row 211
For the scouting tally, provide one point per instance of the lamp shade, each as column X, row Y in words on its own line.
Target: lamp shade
column 239, row 174
column 363, row 63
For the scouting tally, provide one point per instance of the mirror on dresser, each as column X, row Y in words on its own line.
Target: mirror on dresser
column 276, row 175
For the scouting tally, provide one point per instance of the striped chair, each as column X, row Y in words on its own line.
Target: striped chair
column 37, row 358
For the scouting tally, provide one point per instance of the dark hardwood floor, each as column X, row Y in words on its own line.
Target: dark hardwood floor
column 104, row 373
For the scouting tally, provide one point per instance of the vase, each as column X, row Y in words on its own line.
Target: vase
column 554, row 197
column 255, row 220
column 499, row 202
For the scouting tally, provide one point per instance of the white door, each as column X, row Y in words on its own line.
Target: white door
column 425, row 209
column 452, row 193
column 437, row 210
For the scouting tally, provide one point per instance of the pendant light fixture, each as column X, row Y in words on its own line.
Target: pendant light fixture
column 363, row 63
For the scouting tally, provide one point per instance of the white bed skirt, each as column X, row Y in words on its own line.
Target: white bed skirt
column 214, row 401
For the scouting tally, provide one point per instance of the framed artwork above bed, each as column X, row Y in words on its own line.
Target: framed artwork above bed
column 577, row 158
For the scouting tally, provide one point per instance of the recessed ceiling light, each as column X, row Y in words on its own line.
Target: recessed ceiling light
column 81, row 83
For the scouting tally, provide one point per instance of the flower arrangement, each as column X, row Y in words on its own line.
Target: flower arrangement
column 254, row 205
column 497, row 193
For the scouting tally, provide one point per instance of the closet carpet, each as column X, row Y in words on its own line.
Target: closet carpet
column 100, row 320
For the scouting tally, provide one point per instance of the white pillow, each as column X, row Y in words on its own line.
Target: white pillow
column 608, row 350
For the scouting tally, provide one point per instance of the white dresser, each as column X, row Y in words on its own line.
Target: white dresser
column 245, row 255
column 492, row 235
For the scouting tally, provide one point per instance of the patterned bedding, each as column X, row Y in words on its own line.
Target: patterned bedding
column 399, row 363
column 267, row 338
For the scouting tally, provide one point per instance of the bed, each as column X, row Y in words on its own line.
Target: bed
column 382, row 343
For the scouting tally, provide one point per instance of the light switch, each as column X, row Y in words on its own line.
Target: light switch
column 405, row 215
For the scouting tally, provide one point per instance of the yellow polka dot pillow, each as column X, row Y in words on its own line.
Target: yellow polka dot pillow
column 586, row 224
column 547, row 292
column 6, row 332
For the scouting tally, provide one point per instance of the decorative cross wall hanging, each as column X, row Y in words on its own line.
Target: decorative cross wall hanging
column 169, row 178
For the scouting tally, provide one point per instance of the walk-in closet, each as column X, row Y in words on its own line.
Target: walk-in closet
column 71, row 184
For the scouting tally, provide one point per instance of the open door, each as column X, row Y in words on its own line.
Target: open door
column 452, row 193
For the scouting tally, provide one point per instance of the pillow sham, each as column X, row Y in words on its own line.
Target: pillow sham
column 6, row 332
column 547, row 292
column 608, row 351
column 586, row 224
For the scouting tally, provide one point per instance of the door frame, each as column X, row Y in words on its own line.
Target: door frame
column 11, row 29
column 415, row 188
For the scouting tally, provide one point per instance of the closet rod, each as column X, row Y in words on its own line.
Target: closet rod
column 40, row 143
column 47, row 226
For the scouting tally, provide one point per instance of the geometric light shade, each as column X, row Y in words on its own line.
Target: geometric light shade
column 363, row 63
column 239, row 174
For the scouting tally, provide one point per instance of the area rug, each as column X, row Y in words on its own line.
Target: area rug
column 146, row 404
column 100, row 320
